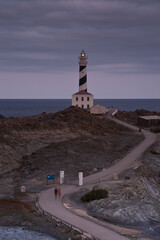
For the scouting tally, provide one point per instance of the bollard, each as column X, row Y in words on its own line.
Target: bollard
column 61, row 177
column 23, row 188
column 80, row 178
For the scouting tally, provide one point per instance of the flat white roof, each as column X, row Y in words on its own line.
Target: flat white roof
column 152, row 117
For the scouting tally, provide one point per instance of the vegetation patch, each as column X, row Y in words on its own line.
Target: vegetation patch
column 156, row 130
column 13, row 204
column 95, row 194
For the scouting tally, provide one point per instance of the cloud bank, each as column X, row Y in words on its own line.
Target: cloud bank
column 46, row 36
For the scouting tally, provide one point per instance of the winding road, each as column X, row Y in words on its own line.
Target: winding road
column 55, row 207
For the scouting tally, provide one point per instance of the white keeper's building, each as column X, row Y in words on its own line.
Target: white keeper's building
column 82, row 99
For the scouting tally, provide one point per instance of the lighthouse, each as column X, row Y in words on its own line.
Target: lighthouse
column 83, row 72
column 82, row 98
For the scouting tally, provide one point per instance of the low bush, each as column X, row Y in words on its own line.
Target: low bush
column 156, row 130
column 95, row 194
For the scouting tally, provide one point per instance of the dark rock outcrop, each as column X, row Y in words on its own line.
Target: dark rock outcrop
column 1, row 117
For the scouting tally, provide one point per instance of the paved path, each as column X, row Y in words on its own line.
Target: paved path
column 135, row 154
column 55, row 207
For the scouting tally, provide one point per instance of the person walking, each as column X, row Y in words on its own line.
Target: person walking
column 55, row 192
column 59, row 193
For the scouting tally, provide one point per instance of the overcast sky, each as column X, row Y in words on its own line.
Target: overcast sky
column 40, row 41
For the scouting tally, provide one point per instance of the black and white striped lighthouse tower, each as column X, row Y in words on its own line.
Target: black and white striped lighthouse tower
column 83, row 72
column 82, row 98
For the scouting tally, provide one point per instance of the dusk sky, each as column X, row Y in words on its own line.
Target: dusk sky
column 40, row 41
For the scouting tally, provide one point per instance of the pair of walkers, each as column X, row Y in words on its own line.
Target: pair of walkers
column 57, row 191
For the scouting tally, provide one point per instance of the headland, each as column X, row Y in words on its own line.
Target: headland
column 71, row 140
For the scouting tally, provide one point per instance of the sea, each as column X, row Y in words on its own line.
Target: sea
column 30, row 107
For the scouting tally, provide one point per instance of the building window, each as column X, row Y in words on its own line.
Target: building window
column 76, row 105
column 88, row 106
column 76, row 98
column 87, row 98
column 82, row 106
column 82, row 98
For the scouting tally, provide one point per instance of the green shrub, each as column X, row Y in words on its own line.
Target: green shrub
column 95, row 194
column 156, row 130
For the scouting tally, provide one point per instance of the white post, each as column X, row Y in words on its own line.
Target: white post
column 80, row 178
column 23, row 188
column 61, row 177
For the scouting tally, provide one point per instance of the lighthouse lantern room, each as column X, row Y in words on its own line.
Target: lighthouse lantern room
column 82, row 99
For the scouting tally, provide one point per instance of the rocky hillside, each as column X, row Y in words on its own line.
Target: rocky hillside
column 70, row 139
column 73, row 118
